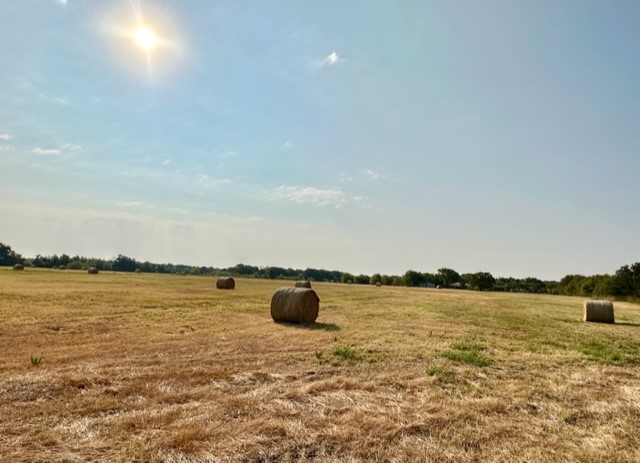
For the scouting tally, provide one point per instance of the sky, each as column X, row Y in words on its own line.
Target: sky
column 364, row 136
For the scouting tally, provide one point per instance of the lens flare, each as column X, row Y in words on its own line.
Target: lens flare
column 145, row 38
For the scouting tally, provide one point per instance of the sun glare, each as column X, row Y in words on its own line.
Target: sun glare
column 145, row 38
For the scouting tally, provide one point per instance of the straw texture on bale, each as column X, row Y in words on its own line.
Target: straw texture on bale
column 598, row 311
column 92, row 271
column 303, row 284
column 295, row 305
column 225, row 283
column 18, row 267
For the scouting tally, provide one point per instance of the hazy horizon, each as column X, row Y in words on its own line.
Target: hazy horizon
column 361, row 137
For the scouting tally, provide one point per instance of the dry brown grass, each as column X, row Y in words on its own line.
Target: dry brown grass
column 151, row 368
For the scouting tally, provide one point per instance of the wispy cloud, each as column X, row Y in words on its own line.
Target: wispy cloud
column 61, row 2
column 131, row 204
column 371, row 174
column 288, row 145
column 61, row 100
column 5, row 136
column 211, row 182
column 7, row 148
column 46, row 152
column 344, row 177
column 330, row 60
column 376, row 176
column 333, row 197
column 71, row 146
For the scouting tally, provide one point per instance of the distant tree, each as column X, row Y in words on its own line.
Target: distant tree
column 123, row 264
column 449, row 276
column 432, row 278
column 75, row 265
column 8, row 256
column 482, row 281
column 362, row 279
column 387, row 280
column 413, row 278
column 347, row 277
column 375, row 278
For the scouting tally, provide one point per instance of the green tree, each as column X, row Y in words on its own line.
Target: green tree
column 123, row 264
column 8, row 256
column 448, row 276
column 481, row 281
column 413, row 278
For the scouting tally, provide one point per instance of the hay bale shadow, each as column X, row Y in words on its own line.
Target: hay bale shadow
column 627, row 324
column 312, row 326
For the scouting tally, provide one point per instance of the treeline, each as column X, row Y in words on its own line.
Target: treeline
column 625, row 283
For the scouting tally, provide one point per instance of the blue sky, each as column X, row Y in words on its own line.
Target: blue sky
column 364, row 136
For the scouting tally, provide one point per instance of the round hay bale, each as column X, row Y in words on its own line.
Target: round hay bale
column 295, row 305
column 225, row 283
column 378, row 284
column 303, row 284
column 18, row 267
column 598, row 311
column 92, row 271
column 138, row 270
column 62, row 267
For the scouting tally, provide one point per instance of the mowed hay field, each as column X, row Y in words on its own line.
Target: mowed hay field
column 156, row 368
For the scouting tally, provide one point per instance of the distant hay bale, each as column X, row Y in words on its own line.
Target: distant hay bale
column 138, row 270
column 598, row 311
column 303, row 284
column 378, row 284
column 92, row 271
column 295, row 305
column 18, row 267
column 225, row 283
column 62, row 267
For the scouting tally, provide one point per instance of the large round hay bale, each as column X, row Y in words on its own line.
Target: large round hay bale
column 303, row 284
column 295, row 305
column 598, row 311
column 378, row 284
column 225, row 283
column 18, row 267
column 92, row 271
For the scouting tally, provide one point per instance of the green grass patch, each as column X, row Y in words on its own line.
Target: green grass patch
column 467, row 352
column 605, row 353
column 346, row 353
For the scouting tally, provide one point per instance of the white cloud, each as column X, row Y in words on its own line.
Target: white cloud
column 45, row 152
column 166, row 162
column 71, row 146
column 330, row 60
column 345, row 177
column 371, row 174
column 5, row 136
column 288, row 145
column 54, row 99
column 61, row 2
column 333, row 197
column 7, row 148
column 211, row 182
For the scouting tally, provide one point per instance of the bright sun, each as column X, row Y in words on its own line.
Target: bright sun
column 145, row 38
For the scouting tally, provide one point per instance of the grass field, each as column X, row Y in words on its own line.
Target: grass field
column 135, row 367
